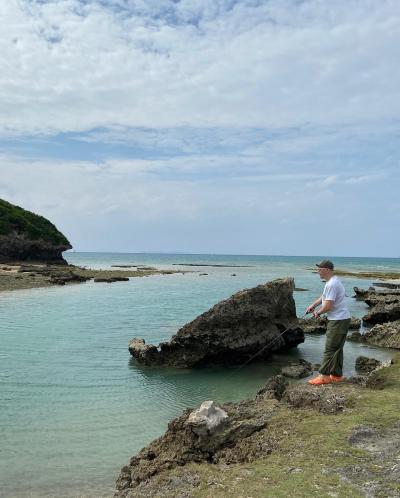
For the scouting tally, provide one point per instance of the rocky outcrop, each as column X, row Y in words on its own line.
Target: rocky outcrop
column 381, row 313
column 366, row 365
column 25, row 236
column 298, row 370
column 249, row 325
column 386, row 335
column 228, row 434
column 208, row 434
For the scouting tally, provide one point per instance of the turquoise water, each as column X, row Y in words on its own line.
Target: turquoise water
column 74, row 407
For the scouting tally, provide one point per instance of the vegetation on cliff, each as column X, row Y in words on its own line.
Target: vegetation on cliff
column 14, row 219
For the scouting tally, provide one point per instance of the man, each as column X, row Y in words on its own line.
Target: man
column 333, row 303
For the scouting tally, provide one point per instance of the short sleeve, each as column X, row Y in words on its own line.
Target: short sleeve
column 331, row 293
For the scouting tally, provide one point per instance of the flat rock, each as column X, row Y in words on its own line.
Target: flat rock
column 250, row 325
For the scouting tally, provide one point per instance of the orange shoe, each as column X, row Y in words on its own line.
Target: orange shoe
column 318, row 381
column 337, row 378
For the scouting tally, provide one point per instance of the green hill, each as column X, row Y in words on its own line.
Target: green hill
column 25, row 235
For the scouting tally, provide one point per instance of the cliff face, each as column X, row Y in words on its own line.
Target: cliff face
column 25, row 236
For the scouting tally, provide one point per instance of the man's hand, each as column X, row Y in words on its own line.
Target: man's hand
column 310, row 309
column 317, row 315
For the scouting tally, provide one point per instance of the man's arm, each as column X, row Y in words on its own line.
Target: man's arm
column 312, row 306
column 328, row 305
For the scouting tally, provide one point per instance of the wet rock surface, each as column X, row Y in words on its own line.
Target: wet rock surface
column 248, row 326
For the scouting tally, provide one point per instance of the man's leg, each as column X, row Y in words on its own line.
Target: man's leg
column 332, row 363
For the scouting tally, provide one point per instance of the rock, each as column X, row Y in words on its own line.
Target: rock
column 110, row 280
column 298, row 370
column 384, row 299
column 325, row 399
column 233, row 275
column 366, row 365
column 355, row 323
column 203, row 274
column 313, row 326
column 386, row 335
column 274, row 389
column 64, row 278
column 300, row 289
column 229, row 426
column 382, row 313
column 356, row 337
column 362, row 293
column 206, row 419
column 387, row 285
column 25, row 236
column 249, row 325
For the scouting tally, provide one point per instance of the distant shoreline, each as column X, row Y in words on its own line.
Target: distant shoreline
column 27, row 275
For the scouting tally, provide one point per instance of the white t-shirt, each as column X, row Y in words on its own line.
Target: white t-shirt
column 334, row 291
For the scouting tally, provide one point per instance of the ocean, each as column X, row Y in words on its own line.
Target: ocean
column 74, row 407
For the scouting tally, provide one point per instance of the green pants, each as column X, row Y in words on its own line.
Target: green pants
column 336, row 333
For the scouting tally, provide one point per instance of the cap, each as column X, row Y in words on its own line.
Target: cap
column 325, row 263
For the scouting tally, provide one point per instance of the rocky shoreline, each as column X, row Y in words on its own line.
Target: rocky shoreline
column 292, row 439
column 23, row 275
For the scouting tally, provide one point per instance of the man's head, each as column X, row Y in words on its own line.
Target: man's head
column 325, row 269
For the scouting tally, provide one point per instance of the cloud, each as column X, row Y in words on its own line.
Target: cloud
column 72, row 66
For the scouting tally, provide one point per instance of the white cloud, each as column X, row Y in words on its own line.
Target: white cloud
column 68, row 65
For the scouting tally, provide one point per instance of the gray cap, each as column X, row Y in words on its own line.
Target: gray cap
column 325, row 263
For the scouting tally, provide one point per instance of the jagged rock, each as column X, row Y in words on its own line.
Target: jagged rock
column 382, row 313
column 356, row 337
column 206, row 419
column 386, row 335
column 249, row 325
column 366, row 365
column 298, row 370
column 313, row 326
column 274, row 389
column 25, row 236
column 324, row 399
column 363, row 293
column 384, row 299
column 181, row 444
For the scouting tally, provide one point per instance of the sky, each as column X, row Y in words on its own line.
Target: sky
column 205, row 126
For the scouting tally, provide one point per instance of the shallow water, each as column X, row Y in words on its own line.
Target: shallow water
column 74, row 407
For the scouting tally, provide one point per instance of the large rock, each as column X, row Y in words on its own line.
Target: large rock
column 209, row 434
column 25, row 236
column 382, row 313
column 255, row 321
column 386, row 335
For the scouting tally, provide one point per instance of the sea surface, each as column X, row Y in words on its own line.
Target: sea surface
column 74, row 407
